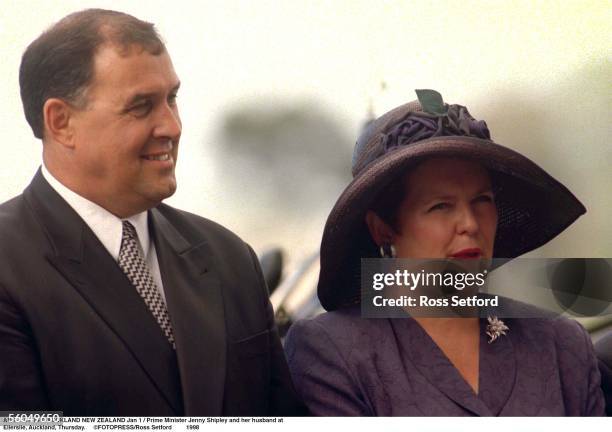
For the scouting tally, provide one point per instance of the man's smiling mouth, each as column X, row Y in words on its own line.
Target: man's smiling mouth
column 158, row 157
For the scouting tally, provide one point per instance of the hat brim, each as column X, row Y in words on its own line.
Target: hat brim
column 532, row 206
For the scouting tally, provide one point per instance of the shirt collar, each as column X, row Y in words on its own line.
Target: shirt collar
column 105, row 225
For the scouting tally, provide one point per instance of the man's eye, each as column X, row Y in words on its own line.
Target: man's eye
column 172, row 99
column 140, row 109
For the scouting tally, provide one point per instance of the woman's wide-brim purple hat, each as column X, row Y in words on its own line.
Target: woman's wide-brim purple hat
column 532, row 206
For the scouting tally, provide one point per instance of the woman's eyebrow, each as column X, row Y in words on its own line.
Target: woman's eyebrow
column 484, row 190
column 425, row 198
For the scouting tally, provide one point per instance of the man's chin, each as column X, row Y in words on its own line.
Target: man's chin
column 167, row 191
column 155, row 195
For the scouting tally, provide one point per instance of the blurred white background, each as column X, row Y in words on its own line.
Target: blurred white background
column 274, row 93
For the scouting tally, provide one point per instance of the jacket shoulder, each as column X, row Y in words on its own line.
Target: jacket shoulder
column 570, row 336
column 13, row 218
column 344, row 329
column 196, row 227
column 344, row 321
column 11, row 209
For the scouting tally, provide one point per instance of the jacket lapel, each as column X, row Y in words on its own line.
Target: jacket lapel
column 84, row 262
column 416, row 345
column 195, row 305
column 497, row 370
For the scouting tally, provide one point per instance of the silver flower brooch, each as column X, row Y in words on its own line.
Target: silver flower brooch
column 496, row 328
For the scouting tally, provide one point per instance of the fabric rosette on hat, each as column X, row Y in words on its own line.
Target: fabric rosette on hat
column 532, row 206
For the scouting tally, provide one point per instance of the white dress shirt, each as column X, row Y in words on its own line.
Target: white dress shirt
column 109, row 228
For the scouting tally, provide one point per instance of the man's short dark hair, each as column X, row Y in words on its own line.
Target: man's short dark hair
column 60, row 62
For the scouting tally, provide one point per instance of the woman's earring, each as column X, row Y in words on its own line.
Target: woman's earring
column 387, row 251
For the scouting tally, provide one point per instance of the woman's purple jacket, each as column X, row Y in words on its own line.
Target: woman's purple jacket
column 345, row 365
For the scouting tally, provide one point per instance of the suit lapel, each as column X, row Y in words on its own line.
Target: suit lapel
column 84, row 262
column 195, row 305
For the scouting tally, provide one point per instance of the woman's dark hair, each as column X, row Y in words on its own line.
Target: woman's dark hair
column 387, row 204
column 60, row 62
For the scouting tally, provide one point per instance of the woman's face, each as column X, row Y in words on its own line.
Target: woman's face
column 448, row 211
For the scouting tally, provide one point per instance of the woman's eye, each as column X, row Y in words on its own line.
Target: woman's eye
column 439, row 206
column 484, row 198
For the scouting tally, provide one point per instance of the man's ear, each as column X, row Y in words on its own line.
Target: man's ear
column 380, row 231
column 56, row 116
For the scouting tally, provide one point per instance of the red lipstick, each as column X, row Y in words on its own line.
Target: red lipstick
column 469, row 253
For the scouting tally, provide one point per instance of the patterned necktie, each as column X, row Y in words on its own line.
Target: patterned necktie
column 131, row 261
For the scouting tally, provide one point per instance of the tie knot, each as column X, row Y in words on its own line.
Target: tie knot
column 129, row 231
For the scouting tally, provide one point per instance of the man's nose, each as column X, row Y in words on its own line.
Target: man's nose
column 467, row 220
column 168, row 123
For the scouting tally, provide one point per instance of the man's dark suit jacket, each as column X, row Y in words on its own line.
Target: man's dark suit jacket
column 75, row 336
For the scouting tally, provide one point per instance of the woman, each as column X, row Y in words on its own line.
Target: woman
column 430, row 183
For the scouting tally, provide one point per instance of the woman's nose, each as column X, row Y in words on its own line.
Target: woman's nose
column 467, row 221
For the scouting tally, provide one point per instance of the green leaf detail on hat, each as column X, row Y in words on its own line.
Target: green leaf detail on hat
column 432, row 102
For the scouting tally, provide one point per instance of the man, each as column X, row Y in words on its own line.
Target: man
column 112, row 303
